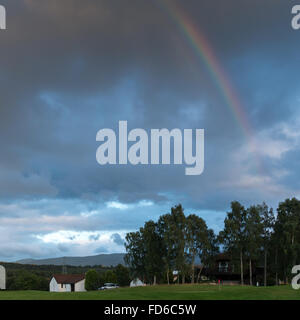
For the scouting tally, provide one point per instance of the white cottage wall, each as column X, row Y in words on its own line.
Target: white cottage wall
column 80, row 286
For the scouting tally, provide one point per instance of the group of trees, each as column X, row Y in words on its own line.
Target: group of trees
column 37, row 277
column 26, row 280
column 250, row 236
column 255, row 234
column 172, row 243
column 31, row 277
column 95, row 279
column 247, row 234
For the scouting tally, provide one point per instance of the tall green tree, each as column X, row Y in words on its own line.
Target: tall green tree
column 233, row 235
column 196, row 230
column 153, row 250
column 178, row 224
column 267, row 221
column 253, row 232
column 135, row 254
column 168, row 252
column 287, row 234
column 172, row 228
column 209, row 251
column 200, row 241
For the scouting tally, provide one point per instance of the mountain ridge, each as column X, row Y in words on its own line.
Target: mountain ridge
column 105, row 260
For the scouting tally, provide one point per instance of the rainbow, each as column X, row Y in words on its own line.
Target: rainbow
column 204, row 51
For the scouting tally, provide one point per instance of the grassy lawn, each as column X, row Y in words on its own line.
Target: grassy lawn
column 164, row 292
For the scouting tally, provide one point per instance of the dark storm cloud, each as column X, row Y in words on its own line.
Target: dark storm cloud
column 70, row 68
column 74, row 67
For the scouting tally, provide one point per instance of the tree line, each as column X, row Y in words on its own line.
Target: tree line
column 94, row 279
column 37, row 277
column 251, row 236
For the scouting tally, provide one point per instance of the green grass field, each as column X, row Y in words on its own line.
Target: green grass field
column 164, row 292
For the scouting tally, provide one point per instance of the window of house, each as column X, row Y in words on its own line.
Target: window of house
column 223, row 266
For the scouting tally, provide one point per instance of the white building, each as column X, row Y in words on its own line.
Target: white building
column 2, row 278
column 67, row 283
column 137, row 283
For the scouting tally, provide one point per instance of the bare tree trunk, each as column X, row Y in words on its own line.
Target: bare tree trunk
column 242, row 271
column 183, row 278
column 154, row 280
column 250, row 269
column 199, row 273
column 168, row 276
column 265, row 269
column 276, row 276
column 193, row 271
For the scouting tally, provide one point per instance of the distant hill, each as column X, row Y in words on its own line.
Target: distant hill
column 101, row 259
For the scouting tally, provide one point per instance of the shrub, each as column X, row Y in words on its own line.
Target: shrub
column 92, row 280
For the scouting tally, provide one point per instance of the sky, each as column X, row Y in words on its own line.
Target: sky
column 70, row 68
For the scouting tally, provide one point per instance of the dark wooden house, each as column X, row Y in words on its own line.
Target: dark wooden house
column 228, row 271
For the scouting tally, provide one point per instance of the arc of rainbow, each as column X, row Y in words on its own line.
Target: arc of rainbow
column 202, row 48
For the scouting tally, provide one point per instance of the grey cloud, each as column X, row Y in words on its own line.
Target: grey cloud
column 63, row 248
column 94, row 237
column 117, row 239
column 101, row 250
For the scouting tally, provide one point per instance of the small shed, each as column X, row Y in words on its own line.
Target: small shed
column 67, row 283
column 2, row 278
column 137, row 283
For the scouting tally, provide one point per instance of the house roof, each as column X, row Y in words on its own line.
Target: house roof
column 68, row 278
